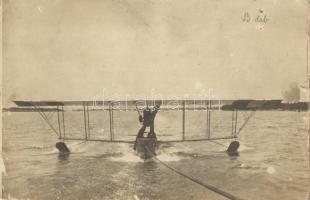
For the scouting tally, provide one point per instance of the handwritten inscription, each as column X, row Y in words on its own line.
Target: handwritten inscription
column 261, row 17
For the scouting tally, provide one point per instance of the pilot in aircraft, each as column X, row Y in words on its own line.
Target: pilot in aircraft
column 147, row 120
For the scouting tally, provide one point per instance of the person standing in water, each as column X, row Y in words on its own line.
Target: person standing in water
column 147, row 120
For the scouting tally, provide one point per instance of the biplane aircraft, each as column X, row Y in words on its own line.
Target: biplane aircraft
column 146, row 147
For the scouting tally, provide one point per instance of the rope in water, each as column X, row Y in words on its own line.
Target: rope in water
column 210, row 187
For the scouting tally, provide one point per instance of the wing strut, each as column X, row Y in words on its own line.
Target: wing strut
column 234, row 123
column 63, row 121
column 111, row 121
column 86, row 121
column 46, row 119
column 245, row 122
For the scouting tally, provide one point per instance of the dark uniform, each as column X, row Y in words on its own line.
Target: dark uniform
column 147, row 121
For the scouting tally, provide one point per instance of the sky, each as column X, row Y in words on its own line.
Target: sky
column 79, row 50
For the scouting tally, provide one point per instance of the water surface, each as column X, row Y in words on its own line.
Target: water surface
column 272, row 164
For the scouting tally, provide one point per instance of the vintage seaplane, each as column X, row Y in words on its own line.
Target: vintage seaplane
column 145, row 146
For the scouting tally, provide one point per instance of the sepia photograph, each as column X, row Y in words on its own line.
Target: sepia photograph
column 155, row 100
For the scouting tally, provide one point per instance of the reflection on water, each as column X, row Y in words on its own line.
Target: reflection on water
column 63, row 156
column 272, row 162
